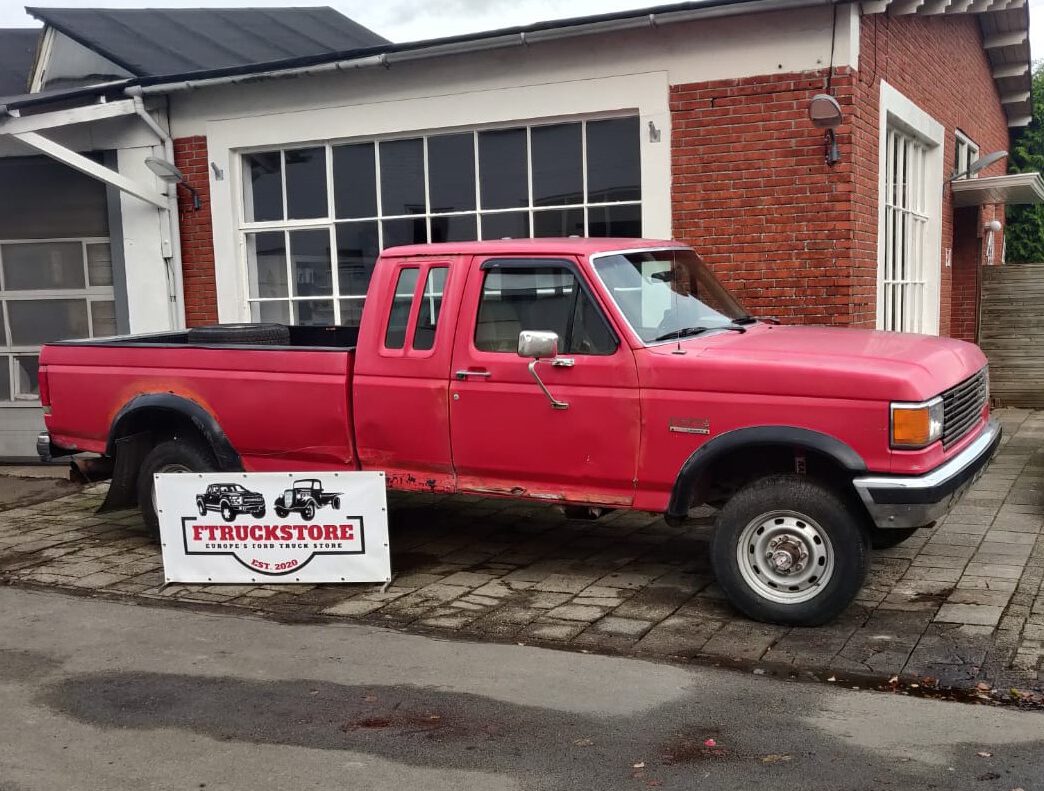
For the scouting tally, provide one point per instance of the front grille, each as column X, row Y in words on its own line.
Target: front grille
column 962, row 406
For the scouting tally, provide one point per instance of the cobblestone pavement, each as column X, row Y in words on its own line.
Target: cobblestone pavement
column 962, row 603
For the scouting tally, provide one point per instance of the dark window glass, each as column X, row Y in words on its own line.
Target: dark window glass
column 459, row 228
column 451, row 172
column 306, row 183
column 266, row 253
column 310, row 263
column 38, row 321
column 5, row 379
column 407, row 231
column 509, row 225
column 355, row 181
column 357, row 249
column 503, row 169
column 615, row 221
column 614, row 172
column 263, row 196
column 314, row 312
column 351, row 312
column 558, row 222
column 395, row 336
column 558, row 170
column 431, row 304
column 540, row 297
column 274, row 312
column 402, row 177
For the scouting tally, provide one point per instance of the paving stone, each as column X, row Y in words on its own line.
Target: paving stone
column 972, row 596
column 353, row 608
column 577, row 612
column 743, row 640
column 1005, row 571
column 631, row 627
column 563, row 583
column 558, row 632
column 981, row 614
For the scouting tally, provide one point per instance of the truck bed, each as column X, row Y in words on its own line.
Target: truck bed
column 281, row 407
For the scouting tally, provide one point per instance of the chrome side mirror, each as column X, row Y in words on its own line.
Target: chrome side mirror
column 537, row 344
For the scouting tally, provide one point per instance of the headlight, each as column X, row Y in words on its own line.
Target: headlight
column 916, row 425
column 236, row 499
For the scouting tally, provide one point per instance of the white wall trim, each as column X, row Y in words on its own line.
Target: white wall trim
column 899, row 111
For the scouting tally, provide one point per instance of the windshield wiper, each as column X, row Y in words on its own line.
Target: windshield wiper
column 687, row 332
column 742, row 320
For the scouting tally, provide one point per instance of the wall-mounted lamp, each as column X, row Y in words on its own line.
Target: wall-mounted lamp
column 168, row 173
column 825, row 113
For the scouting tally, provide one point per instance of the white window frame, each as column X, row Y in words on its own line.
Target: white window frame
column 900, row 114
column 966, row 151
column 88, row 293
column 330, row 221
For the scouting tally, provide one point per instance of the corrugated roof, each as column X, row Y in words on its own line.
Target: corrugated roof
column 157, row 41
column 17, row 52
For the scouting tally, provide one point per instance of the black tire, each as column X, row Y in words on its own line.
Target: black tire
column 202, row 507
column 337, row 503
column 258, row 513
column 309, row 511
column 246, row 334
column 281, row 512
column 227, row 512
column 886, row 538
column 191, row 455
column 803, row 498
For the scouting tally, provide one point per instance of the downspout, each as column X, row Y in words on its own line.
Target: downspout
column 173, row 260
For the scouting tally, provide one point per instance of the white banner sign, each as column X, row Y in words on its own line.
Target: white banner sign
column 269, row 527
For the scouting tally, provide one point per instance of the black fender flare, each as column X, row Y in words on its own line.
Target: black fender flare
column 204, row 422
column 687, row 489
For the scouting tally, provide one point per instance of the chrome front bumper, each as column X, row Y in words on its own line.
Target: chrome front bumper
column 915, row 501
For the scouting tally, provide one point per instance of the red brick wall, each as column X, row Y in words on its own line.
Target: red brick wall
column 939, row 64
column 793, row 236
column 197, row 236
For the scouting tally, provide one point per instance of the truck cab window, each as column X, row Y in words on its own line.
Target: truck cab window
column 431, row 304
column 539, row 298
column 405, row 286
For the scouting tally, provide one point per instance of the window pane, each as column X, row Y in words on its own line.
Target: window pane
column 263, row 191
column 314, row 312
column 306, row 183
column 613, row 169
column 27, row 368
column 99, row 265
column 355, row 180
column 42, row 265
column 266, row 264
column 274, row 312
column 431, row 304
column 310, row 259
column 397, row 232
column 395, row 336
column 558, row 171
column 402, row 177
column 103, row 319
column 451, row 172
column 5, row 379
column 459, row 228
column 558, row 222
column 351, row 312
column 509, row 225
column 503, row 169
column 37, row 321
column 357, row 250
column 615, row 221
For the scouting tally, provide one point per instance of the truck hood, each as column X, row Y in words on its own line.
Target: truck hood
column 827, row 362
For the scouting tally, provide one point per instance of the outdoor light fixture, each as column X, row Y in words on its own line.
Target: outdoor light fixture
column 979, row 164
column 168, row 173
column 825, row 113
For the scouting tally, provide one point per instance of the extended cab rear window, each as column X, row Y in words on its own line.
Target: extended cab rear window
column 522, row 295
column 427, row 311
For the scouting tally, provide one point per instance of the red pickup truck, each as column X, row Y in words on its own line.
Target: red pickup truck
column 592, row 373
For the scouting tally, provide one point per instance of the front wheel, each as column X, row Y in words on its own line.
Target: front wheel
column 309, row 511
column 789, row 550
column 257, row 513
column 227, row 513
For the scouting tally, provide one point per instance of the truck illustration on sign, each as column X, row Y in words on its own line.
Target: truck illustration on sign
column 306, row 497
column 231, row 500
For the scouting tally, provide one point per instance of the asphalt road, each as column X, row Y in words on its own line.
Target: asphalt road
column 101, row 695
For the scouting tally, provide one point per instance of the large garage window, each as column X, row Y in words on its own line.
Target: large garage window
column 49, row 290
column 316, row 217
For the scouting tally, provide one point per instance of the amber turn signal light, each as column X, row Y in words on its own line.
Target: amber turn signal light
column 916, row 425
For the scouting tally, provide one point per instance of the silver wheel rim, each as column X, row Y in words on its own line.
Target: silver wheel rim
column 785, row 557
column 166, row 468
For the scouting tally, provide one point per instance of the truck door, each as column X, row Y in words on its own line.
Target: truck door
column 507, row 435
column 399, row 387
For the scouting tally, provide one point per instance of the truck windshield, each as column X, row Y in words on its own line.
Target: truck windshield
column 667, row 293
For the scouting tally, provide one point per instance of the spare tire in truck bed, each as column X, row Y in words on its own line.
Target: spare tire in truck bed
column 247, row 334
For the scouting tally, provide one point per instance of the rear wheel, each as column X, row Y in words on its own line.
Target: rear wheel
column 787, row 549
column 886, row 538
column 281, row 512
column 309, row 511
column 172, row 456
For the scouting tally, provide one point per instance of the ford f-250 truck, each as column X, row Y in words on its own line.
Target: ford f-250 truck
column 591, row 373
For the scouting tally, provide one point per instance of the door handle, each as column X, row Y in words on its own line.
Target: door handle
column 464, row 374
